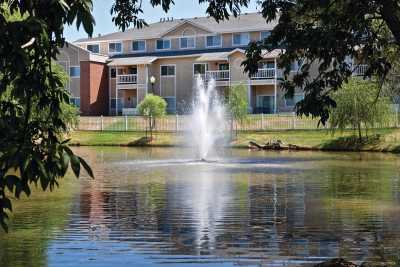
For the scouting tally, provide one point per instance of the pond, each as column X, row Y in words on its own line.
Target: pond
column 154, row 207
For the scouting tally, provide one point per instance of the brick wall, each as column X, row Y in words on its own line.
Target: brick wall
column 94, row 88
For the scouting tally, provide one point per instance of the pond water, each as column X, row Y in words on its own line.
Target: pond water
column 154, row 207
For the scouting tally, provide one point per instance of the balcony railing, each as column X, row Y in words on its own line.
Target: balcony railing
column 127, row 79
column 218, row 75
column 264, row 74
column 359, row 70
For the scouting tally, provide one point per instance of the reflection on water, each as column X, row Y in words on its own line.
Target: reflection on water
column 149, row 207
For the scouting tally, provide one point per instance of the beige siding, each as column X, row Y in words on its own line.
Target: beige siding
column 237, row 71
column 113, row 86
column 186, row 29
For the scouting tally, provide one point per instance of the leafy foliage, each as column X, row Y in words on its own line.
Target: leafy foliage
column 358, row 106
column 152, row 106
column 32, row 95
column 238, row 104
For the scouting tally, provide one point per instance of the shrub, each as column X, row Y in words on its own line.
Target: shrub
column 358, row 106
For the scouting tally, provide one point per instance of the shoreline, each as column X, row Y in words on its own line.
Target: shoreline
column 380, row 140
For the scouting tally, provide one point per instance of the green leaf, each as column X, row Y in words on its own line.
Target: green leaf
column 75, row 165
column 87, row 167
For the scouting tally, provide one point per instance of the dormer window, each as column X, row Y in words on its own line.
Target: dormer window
column 114, row 48
column 163, row 44
column 241, row 39
column 94, row 48
column 187, row 42
column 138, row 46
column 213, row 41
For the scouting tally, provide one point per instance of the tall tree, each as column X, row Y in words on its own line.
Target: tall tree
column 32, row 94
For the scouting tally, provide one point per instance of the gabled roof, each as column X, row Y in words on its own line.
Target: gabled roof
column 242, row 23
column 185, row 21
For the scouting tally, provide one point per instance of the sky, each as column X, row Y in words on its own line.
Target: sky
column 104, row 24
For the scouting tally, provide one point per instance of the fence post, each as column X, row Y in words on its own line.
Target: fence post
column 126, row 123
column 294, row 121
column 262, row 121
column 101, row 123
column 176, row 123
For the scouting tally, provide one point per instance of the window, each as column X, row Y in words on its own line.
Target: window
column 114, row 48
column 291, row 102
column 132, row 70
column 265, row 104
column 75, row 101
column 241, row 38
column 167, row 70
column 188, row 42
column 265, row 35
column 163, row 44
column 199, row 69
column 171, row 104
column 296, row 65
column 94, row 48
column 223, row 66
column 75, row 72
column 138, row 46
column 113, row 73
column 266, row 65
column 213, row 41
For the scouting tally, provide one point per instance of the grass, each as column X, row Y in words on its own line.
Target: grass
column 385, row 140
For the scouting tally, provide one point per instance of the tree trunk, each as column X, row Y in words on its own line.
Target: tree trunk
column 391, row 15
column 359, row 132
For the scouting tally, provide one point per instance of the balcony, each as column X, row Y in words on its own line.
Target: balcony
column 127, row 79
column 264, row 74
column 360, row 70
column 218, row 75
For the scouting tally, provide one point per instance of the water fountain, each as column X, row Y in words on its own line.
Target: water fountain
column 208, row 122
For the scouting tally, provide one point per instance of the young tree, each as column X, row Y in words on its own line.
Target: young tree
column 152, row 107
column 358, row 106
column 238, row 105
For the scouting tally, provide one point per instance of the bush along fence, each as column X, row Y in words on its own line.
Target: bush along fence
column 181, row 123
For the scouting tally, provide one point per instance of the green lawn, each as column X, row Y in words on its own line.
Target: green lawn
column 379, row 140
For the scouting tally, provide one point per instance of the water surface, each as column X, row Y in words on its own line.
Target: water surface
column 154, row 207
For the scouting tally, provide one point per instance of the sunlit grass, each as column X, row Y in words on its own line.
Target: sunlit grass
column 379, row 140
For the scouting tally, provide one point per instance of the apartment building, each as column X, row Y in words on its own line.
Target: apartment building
column 111, row 74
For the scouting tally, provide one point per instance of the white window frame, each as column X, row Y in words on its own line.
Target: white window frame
column 261, row 32
column 169, row 76
column 187, row 37
column 168, row 65
column 114, row 53
column 233, row 38
column 164, row 39
column 75, row 77
column 290, row 106
column 139, row 51
column 199, row 63
column 213, row 35
column 98, row 45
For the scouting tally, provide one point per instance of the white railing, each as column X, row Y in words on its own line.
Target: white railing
column 359, row 70
column 264, row 74
column 127, row 79
column 218, row 75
